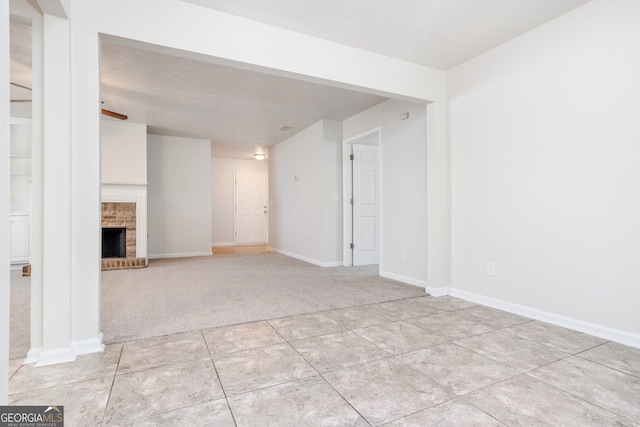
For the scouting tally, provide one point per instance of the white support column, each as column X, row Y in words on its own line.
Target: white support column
column 56, row 303
column 85, row 187
column 438, row 200
column 37, row 188
column 26, row 10
column 4, row 202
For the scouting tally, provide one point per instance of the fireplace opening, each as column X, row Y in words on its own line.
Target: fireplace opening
column 114, row 243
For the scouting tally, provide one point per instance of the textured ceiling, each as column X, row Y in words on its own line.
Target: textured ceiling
column 239, row 111
column 435, row 33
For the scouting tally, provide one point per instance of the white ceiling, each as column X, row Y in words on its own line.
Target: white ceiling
column 241, row 111
column 436, row 33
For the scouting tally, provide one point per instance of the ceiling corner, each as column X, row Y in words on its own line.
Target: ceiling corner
column 59, row 8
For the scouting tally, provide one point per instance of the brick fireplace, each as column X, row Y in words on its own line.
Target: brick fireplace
column 121, row 215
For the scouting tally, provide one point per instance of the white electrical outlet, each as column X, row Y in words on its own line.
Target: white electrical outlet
column 176, row 239
column 404, row 254
column 491, row 268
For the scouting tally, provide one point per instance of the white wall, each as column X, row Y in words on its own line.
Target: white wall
column 222, row 195
column 179, row 196
column 123, row 148
column 545, row 154
column 304, row 220
column 332, row 192
column 403, row 185
column 4, row 204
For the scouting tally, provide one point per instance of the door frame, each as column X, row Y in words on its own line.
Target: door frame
column 347, row 188
column 235, row 205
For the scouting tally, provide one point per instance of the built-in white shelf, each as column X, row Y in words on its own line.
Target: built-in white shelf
column 20, row 206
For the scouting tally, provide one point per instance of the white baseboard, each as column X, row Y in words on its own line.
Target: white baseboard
column 613, row 334
column 434, row 292
column 93, row 345
column 217, row 244
column 305, row 259
column 56, row 356
column 438, row 292
column 404, row 279
column 179, row 255
column 332, row 264
column 33, row 355
column 64, row 355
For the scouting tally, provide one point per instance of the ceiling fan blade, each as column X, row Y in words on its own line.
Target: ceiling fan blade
column 114, row 114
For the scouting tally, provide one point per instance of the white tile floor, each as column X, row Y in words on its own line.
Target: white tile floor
column 420, row 361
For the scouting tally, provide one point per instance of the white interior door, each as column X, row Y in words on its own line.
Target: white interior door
column 365, row 204
column 251, row 207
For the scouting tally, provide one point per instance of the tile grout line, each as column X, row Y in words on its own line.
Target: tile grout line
column 390, row 356
column 601, row 363
column 113, row 381
column 568, row 393
column 215, row 369
column 320, row 373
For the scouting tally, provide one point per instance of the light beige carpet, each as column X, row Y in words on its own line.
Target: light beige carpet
column 187, row 294
column 178, row 295
column 20, row 315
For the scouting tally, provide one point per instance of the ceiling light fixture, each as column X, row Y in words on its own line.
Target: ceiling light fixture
column 259, row 156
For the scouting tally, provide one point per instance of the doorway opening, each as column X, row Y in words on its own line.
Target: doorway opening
column 361, row 185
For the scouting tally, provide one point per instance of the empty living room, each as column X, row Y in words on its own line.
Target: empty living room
column 320, row 213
